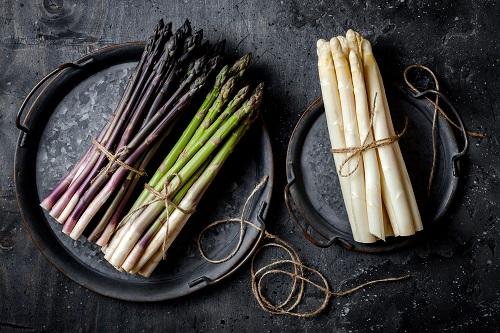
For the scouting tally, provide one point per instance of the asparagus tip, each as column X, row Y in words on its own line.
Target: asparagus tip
column 185, row 29
column 367, row 47
column 320, row 43
column 198, row 35
column 260, row 87
column 227, row 88
column 335, row 45
column 257, row 95
column 213, row 63
column 350, row 34
column 240, row 64
column 243, row 91
column 159, row 25
column 222, row 75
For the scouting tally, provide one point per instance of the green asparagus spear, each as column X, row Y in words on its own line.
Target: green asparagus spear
column 187, row 134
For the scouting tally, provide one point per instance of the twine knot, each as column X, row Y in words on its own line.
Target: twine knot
column 164, row 196
column 357, row 152
column 115, row 158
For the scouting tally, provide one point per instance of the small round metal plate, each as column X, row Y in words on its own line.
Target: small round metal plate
column 67, row 113
column 313, row 194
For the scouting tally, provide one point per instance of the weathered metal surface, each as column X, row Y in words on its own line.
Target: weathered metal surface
column 454, row 272
column 58, row 129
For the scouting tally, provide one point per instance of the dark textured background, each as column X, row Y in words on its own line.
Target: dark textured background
column 456, row 273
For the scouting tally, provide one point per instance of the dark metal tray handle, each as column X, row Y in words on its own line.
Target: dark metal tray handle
column 21, row 125
column 250, row 250
column 456, row 157
column 310, row 233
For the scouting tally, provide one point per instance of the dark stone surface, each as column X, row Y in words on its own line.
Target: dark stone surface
column 455, row 271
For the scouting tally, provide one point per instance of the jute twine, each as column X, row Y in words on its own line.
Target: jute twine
column 438, row 111
column 357, row 152
column 299, row 281
column 159, row 196
column 114, row 158
column 164, row 196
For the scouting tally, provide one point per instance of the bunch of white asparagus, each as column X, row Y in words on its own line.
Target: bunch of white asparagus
column 376, row 188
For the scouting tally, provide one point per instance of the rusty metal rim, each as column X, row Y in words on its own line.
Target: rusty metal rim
column 65, row 262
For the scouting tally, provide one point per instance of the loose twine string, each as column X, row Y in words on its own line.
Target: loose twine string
column 299, row 281
column 356, row 152
column 114, row 158
column 438, row 111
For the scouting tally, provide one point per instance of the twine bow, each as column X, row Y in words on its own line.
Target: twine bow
column 357, row 152
column 258, row 276
column 164, row 196
column 114, row 158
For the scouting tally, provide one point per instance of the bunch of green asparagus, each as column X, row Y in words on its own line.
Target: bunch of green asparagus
column 169, row 199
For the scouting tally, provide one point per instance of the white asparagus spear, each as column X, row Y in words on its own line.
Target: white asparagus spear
column 116, row 240
column 393, row 189
column 417, row 220
column 353, row 167
column 343, row 43
column 174, row 224
column 331, row 101
column 150, row 266
column 359, row 40
column 352, row 42
column 387, row 224
column 370, row 162
column 372, row 179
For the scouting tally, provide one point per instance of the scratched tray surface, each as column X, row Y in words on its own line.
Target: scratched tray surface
column 80, row 116
column 316, row 187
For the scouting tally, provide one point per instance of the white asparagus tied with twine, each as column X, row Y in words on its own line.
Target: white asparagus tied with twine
column 375, row 184
column 370, row 161
column 417, row 220
column 355, row 170
column 331, row 100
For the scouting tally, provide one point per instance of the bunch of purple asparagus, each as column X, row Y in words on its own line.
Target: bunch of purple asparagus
column 173, row 69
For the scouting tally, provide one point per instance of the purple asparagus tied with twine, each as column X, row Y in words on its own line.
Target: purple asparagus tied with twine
column 168, row 77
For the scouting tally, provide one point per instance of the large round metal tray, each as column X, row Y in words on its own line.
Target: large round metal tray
column 69, row 110
column 313, row 194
